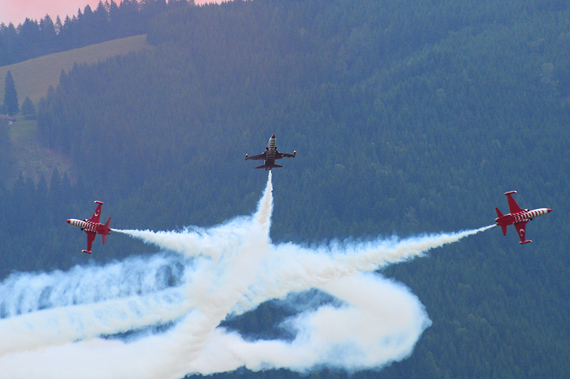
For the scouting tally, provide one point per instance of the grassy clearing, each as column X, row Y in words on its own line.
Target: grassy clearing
column 31, row 158
column 33, row 77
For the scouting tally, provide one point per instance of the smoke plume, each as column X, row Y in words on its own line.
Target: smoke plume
column 160, row 316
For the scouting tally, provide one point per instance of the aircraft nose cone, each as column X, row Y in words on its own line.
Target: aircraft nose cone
column 273, row 136
column 548, row 210
column 69, row 221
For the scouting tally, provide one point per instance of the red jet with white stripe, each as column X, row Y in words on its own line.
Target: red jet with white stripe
column 92, row 227
column 519, row 217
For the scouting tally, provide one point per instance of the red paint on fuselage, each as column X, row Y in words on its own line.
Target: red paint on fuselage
column 524, row 216
column 518, row 217
column 93, row 227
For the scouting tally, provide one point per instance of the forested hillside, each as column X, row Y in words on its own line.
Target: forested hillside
column 407, row 118
column 106, row 22
column 34, row 76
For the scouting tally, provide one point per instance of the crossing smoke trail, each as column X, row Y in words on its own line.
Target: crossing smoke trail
column 45, row 309
column 51, row 324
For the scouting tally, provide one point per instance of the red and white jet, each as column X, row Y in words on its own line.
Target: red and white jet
column 519, row 217
column 92, row 227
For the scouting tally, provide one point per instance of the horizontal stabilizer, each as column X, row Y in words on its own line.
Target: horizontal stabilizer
column 276, row 165
column 262, row 166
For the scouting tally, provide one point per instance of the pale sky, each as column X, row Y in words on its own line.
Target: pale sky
column 16, row 11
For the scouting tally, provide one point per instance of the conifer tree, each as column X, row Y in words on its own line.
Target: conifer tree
column 10, row 95
column 5, row 148
column 28, row 107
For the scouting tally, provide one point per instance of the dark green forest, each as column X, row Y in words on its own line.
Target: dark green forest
column 107, row 21
column 408, row 117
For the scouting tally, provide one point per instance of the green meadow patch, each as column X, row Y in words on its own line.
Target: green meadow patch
column 33, row 77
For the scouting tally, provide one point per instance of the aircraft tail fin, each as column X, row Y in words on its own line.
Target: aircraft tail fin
column 108, row 228
column 503, row 226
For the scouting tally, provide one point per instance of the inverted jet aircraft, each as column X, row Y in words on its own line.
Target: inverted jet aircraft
column 270, row 155
column 519, row 217
column 92, row 227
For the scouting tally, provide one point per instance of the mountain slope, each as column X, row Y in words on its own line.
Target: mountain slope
column 33, row 77
column 406, row 117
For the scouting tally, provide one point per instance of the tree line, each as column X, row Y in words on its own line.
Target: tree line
column 107, row 21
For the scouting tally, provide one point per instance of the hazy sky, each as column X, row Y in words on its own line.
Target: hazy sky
column 16, row 11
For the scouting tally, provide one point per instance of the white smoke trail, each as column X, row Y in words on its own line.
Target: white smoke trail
column 220, row 271
column 380, row 323
column 196, row 241
column 297, row 268
column 26, row 292
column 90, row 301
column 216, row 285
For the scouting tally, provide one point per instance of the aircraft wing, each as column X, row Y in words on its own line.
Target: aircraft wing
column 97, row 214
column 90, row 239
column 521, row 230
column 279, row 155
column 513, row 206
column 255, row 157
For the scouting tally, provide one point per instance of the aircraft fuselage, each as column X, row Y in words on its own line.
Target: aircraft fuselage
column 523, row 216
column 270, row 153
column 88, row 226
